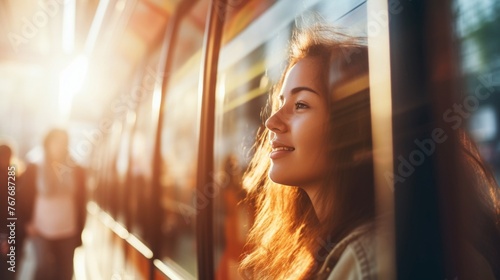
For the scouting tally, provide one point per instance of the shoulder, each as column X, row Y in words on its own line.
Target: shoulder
column 353, row 257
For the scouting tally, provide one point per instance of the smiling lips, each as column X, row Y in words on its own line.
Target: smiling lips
column 279, row 150
column 283, row 149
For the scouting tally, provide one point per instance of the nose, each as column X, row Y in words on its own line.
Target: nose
column 275, row 123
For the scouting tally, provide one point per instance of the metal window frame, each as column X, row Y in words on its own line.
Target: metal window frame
column 427, row 201
column 167, row 53
column 204, row 180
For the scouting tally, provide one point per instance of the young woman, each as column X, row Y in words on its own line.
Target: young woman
column 311, row 177
column 53, row 197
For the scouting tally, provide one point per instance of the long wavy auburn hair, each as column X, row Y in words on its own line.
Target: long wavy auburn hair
column 287, row 240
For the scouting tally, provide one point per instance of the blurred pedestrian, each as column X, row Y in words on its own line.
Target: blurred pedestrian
column 53, row 192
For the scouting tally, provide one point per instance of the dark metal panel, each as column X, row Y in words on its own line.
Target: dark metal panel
column 426, row 150
column 418, row 237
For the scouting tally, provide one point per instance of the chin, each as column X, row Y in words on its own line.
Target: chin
column 274, row 177
column 279, row 179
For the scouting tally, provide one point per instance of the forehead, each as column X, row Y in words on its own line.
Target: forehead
column 305, row 73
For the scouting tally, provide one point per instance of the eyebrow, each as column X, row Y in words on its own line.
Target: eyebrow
column 298, row 89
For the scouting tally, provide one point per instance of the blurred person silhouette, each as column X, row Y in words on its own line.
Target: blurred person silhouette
column 10, row 237
column 54, row 199
column 311, row 177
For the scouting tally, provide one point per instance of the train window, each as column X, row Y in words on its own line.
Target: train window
column 139, row 187
column 105, row 178
column 251, row 62
column 121, row 163
column 97, row 173
column 477, row 29
column 179, row 145
column 239, row 14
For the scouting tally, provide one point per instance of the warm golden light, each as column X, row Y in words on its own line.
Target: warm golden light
column 70, row 82
column 381, row 110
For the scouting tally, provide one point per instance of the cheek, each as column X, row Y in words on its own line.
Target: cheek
column 314, row 136
column 316, row 150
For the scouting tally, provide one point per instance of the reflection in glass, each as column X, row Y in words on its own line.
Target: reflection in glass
column 477, row 23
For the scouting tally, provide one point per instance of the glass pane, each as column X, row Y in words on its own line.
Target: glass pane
column 139, row 186
column 251, row 62
column 180, row 144
column 122, row 165
column 477, row 28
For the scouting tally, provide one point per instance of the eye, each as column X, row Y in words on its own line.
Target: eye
column 300, row 105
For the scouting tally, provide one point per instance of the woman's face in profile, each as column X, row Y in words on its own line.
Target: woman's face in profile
column 298, row 129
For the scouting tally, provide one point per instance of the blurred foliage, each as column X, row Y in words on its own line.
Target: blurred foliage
column 487, row 36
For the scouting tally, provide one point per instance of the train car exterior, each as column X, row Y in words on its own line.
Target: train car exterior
column 166, row 181
column 151, row 223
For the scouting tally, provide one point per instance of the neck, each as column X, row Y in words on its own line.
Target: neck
column 312, row 193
